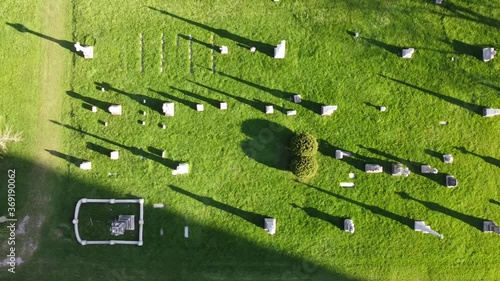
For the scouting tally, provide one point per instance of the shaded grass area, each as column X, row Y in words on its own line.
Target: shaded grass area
column 238, row 157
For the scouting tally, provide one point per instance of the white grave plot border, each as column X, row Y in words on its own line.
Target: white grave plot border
column 139, row 242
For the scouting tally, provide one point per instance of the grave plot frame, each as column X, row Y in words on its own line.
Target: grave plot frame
column 139, row 242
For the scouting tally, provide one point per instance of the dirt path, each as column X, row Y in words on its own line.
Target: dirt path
column 55, row 69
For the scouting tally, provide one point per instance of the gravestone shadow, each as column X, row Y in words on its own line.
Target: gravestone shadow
column 338, row 222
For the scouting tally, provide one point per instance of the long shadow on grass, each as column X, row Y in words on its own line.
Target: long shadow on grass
column 313, row 106
column 468, row 14
column 267, row 143
column 493, row 201
column 462, row 48
column 415, row 167
column 356, row 160
column 98, row 148
column 338, row 222
column 257, row 104
column 188, row 103
column 468, row 219
column 63, row 43
column 253, row 218
column 434, row 153
column 205, row 44
column 212, row 102
column 134, row 150
column 210, row 253
column 261, row 47
column 100, row 104
column 487, row 159
column 393, row 49
column 152, row 103
column 373, row 209
column 466, row 105
column 490, row 86
column 71, row 159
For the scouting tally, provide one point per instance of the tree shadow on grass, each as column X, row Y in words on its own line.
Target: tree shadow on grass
column 468, row 219
column 210, row 253
column 468, row 14
column 134, row 150
column 338, row 222
column 63, row 43
column 414, row 167
column 71, row 159
column 212, row 102
column 100, row 104
column 373, row 209
column 462, row 48
column 267, row 143
column 254, row 218
column 474, row 108
column 261, row 47
column 487, row 159
column 152, row 103
column 255, row 103
column 190, row 104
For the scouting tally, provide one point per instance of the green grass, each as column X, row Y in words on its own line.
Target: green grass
column 238, row 158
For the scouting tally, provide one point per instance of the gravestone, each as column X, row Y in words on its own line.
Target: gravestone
column 383, row 108
column 223, row 105
column 489, row 54
column 398, row 170
column 349, row 225
column 253, row 49
column 168, row 108
column 114, row 155
column 421, row 226
column 373, row 168
column 200, row 107
column 94, row 109
column 86, row 166
column 327, row 110
column 279, row 51
column 182, row 168
column 269, row 109
column 270, row 225
column 158, row 206
column 408, row 53
column 347, row 184
column 143, row 123
column 439, row 2
column 490, row 226
column 224, row 50
column 291, row 112
column 3, row 219
column 339, row 154
column 123, row 223
column 447, row 158
column 426, row 169
column 88, row 52
column 451, row 181
column 297, row 99
column 490, row 112
column 115, row 109
column 186, row 231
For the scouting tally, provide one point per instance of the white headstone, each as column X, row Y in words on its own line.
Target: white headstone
column 421, row 226
column 86, row 166
column 200, row 107
column 447, row 158
column 279, row 51
column 182, row 168
column 352, row 175
column 88, row 52
column 253, row 49
column 349, row 225
column 490, row 112
column 94, row 109
column 297, row 99
column 224, row 50
column 488, row 54
column 373, row 168
column 269, row 109
column 115, row 109
column 114, row 155
column 451, row 181
column 291, row 112
column 408, row 53
column 158, row 206
column 426, row 169
column 168, row 108
column 327, row 110
column 383, row 108
column 186, row 231
column 223, row 106
column 270, row 225
column 346, row 184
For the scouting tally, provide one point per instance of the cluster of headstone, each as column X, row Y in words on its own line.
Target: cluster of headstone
column 141, row 45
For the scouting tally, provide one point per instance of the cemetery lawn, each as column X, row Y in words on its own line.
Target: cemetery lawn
column 238, row 157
